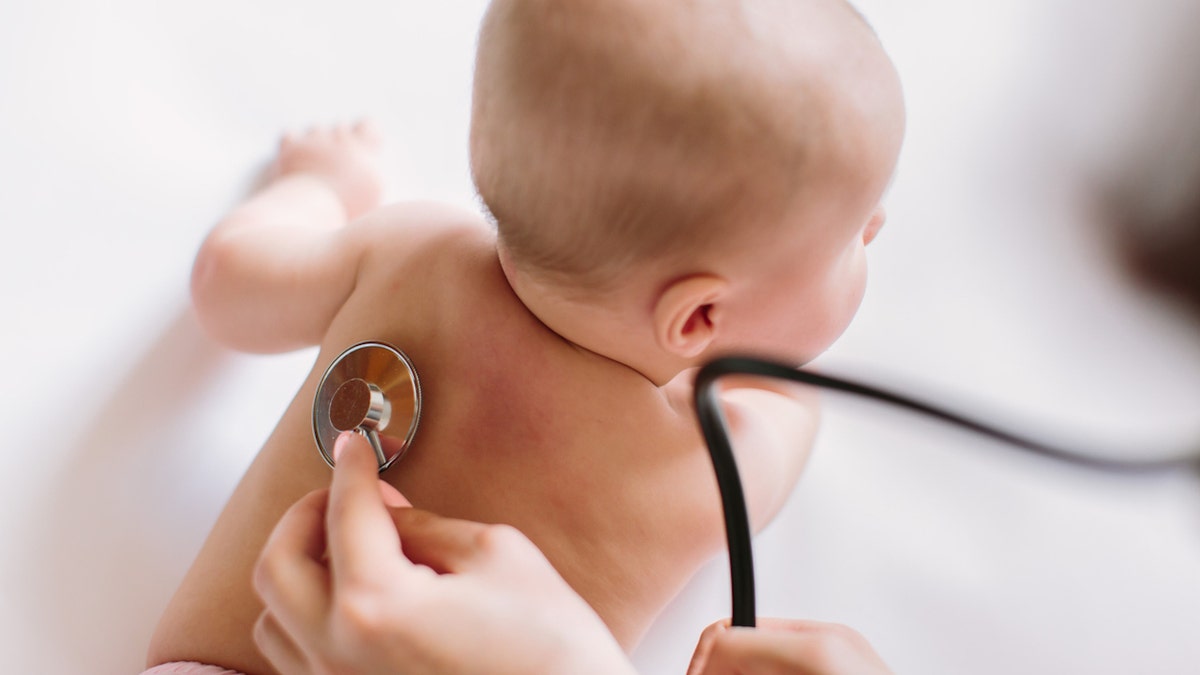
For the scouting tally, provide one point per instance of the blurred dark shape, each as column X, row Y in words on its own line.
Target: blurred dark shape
column 1163, row 249
column 1155, row 208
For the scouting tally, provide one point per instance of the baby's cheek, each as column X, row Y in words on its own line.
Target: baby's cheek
column 858, row 282
column 845, row 295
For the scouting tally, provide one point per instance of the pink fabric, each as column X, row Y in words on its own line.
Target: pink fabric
column 189, row 668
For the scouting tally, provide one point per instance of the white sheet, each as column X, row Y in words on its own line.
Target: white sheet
column 129, row 126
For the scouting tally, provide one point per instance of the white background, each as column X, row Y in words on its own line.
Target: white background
column 127, row 127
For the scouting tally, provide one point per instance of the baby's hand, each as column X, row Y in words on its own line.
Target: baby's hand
column 344, row 157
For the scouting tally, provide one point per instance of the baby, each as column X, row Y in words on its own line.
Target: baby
column 670, row 181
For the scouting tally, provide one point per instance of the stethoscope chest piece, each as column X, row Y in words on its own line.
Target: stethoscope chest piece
column 371, row 388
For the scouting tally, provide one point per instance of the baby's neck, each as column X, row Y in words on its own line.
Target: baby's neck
column 608, row 324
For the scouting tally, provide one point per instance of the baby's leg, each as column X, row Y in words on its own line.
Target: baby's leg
column 324, row 176
column 273, row 272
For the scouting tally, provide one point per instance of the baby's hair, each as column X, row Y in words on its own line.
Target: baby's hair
column 607, row 132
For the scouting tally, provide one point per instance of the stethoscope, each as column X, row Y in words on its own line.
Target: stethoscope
column 372, row 388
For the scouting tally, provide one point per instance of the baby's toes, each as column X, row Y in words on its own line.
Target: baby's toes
column 343, row 134
column 367, row 131
column 322, row 136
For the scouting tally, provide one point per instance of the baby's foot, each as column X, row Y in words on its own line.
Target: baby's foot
column 345, row 157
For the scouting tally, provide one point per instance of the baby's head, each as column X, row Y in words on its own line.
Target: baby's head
column 675, row 179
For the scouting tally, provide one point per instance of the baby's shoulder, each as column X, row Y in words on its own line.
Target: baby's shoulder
column 419, row 264
column 418, row 226
column 430, row 245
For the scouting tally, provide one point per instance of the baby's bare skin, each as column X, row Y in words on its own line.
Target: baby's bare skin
column 602, row 469
column 672, row 182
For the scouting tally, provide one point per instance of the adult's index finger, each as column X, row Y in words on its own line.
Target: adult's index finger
column 363, row 543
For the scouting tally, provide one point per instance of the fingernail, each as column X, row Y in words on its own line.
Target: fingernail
column 340, row 445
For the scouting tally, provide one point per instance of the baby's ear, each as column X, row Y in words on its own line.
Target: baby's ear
column 687, row 314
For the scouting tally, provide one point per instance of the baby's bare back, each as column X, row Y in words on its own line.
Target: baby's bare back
column 604, row 471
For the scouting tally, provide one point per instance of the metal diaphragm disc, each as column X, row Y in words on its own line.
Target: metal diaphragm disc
column 371, row 388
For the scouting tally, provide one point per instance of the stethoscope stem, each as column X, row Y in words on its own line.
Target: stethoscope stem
column 733, row 501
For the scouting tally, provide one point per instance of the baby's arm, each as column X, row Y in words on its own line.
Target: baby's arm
column 273, row 273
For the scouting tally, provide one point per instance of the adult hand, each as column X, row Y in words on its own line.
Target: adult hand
column 353, row 584
column 785, row 646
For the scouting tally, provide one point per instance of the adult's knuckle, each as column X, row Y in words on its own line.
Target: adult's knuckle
column 836, row 644
column 266, row 571
column 259, row 632
column 723, row 643
column 497, row 538
column 845, row 635
column 714, row 629
column 360, row 616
